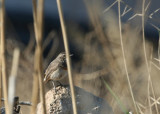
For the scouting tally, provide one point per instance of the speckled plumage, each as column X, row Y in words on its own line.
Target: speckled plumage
column 57, row 69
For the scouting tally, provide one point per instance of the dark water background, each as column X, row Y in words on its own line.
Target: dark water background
column 19, row 13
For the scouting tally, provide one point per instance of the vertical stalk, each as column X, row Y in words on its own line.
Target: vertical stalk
column 3, row 59
column 124, row 59
column 35, row 74
column 12, row 79
column 38, row 27
column 0, row 76
column 67, row 55
column 35, row 86
column 144, row 48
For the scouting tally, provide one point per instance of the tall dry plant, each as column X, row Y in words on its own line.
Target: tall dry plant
column 38, row 27
column 124, row 58
column 0, row 78
column 104, row 47
column 3, row 57
column 12, row 79
column 65, row 39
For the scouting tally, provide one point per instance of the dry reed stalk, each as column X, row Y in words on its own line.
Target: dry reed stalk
column 35, row 74
column 67, row 55
column 35, row 87
column 151, row 83
column 145, row 55
column 0, row 78
column 12, row 79
column 124, row 58
column 3, row 59
column 38, row 27
column 34, row 4
column 153, row 92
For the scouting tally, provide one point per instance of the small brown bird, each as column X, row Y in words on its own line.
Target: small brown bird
column 57, row 69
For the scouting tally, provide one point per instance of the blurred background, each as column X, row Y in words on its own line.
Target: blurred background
column 93, row 32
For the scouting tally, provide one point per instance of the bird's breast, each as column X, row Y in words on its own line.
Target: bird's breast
column 58, row 74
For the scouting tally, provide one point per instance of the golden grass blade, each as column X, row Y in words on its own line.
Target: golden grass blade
column 110, row 6
column 124, row 59
column 12, row 79
column 144, row 48
column 151, row 83
column 67, row 56
column 0, row 77
column 38, row 27
column 35, row 74
column 35, row 86
column 3, row 59
column 34, row 3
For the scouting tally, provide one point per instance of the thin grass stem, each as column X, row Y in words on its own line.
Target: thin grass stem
column 12, row 79
column 38, row 27
column 35, row 87
column 151, row 83
column 67, row 55
column 144, row 49
column 3, row 59
column 124, row 59
column 35, row 74
column 0, row 77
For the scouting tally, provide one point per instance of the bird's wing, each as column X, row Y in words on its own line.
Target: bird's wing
column 51, row 68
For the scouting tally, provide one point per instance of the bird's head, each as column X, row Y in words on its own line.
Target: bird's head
column 62, row 57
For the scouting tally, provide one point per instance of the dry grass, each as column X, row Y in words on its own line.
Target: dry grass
column 12, row 79
column 114, row 50
column 38, row 27
column 0, row 79
column 67, row 56
column 3, row 57
column 124, row 58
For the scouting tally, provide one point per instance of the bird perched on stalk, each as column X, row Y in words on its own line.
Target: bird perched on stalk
column 57, row 69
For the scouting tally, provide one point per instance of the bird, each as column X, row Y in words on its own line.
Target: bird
column 57, row 69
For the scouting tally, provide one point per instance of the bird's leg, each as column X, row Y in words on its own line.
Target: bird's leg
column 54, row 86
